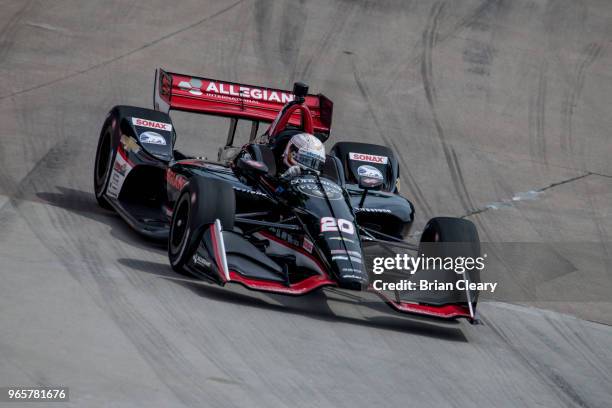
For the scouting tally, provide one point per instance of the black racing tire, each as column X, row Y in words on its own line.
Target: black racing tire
column 460, row 236
column 449, row 229
column 200, row 203
column 105, row 155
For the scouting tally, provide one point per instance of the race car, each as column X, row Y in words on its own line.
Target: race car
column 248, row 219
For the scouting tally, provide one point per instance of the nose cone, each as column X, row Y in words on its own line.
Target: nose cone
column 352, row 284
column 350, row 271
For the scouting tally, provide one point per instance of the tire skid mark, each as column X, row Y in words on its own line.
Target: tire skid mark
column 338, row 23
column 293, row 23
column 591, row 52
column 459, row 173
column 572, row 95
column 121, row 56
column 262, row 14
column 163, row 356
column 412, row 184
column 50, row 164
column 472, row 19
column 430, row 37
column 467, row 21
column 478, row 56
column 537, row 115
column 47, row 164
column 479, row 51
column 79, row 254
column 564, row 20
column 231, row 58
column 78, row 249
column 580, row 345
column 8, row 32
column 558, row 385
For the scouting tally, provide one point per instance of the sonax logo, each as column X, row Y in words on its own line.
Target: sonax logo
column 372, row 158
column 152, row 124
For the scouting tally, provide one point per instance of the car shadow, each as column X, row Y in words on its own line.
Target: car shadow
column 85, row 204
column 315, row 305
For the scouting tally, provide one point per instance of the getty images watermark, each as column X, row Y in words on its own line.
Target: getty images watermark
column 435, row 266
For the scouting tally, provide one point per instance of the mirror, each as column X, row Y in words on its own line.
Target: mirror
column 370, row 183
column 370, row 178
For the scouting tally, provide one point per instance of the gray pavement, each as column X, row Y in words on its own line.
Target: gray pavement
column 498, row 110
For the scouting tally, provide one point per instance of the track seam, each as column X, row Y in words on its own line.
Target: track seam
column 539, row 190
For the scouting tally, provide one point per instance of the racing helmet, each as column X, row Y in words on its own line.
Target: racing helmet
column 306, row 151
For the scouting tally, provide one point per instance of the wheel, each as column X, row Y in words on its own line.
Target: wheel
column 462, row 233
column 104, row 160
column 450, row 229
column 463, row 242
column 200, row 203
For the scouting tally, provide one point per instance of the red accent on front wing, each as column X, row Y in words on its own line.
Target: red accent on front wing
column 300, row 288
column 316, row 282
column 444, row 311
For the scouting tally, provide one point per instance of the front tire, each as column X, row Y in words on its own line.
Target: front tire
column 105, row 155
column 450, row 229
column 449, row 237
column 200, row 203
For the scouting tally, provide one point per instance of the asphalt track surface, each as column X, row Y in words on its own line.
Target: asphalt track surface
column 499, row 111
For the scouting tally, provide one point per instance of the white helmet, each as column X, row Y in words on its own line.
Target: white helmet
column 306, row 151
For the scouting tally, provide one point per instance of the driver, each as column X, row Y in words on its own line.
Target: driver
column 303, row 152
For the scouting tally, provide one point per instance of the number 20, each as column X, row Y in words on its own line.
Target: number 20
column 330, row 224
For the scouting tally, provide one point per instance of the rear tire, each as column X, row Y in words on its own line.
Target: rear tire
column 105, row 155
column 200, row 203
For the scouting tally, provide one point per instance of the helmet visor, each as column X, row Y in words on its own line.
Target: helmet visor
column 310, row 160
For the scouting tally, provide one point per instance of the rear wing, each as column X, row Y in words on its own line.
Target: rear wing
column 239, row 101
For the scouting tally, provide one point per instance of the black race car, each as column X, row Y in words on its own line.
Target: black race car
column 237, row 220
